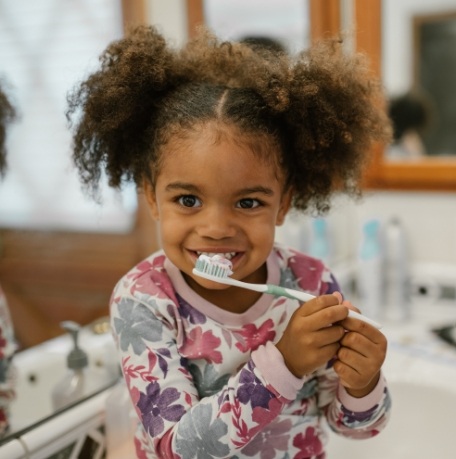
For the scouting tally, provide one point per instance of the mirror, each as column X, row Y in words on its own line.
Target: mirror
column 57, row 262
column 384, row 30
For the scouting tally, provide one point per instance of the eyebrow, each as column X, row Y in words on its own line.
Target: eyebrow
column 256, row 189
column 194, row 189
column 182, row 186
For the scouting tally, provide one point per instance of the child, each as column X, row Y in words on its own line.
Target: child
column 7, row 341
column 224, row 141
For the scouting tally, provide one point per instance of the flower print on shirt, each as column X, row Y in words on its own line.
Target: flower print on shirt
column 135, row 325
column 251, row 337
column 190, row 313
column 202, row 345
column 274, row 437
column 198, row 435
column 251, row 390
column 309, row 389
column 208, row 382
column 156, row 406
column 308, row 443
column 353, row 418
column 288, row 279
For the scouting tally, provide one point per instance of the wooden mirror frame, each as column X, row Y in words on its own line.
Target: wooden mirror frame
column 437, row 174
column 428, row 174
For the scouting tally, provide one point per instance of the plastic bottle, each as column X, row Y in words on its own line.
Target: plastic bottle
column 78, row 381
column 370, row 276
column 319, row 246
column 121, row 422
column 397, row 276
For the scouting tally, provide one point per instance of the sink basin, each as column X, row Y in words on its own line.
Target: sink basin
column 421, row 427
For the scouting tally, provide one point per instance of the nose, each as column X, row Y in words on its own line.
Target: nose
column 217, row 223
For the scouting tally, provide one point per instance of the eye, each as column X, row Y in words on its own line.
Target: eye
column 189, row 200
column 249, row 203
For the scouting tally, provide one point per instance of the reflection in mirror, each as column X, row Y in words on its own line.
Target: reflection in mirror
column 45, row 50
column 419, row 71
column 60, row 254
column 435, row 74
column 286, row 21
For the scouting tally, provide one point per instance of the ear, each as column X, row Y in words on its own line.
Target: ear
column 151, row 199
column 285, row 205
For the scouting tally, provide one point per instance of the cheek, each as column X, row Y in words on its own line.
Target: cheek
column 171, row 228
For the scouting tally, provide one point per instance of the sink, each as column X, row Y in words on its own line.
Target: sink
column 38, row 370
column 420, row 427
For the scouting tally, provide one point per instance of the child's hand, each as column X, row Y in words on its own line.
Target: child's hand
column 360, row 357
column 310, row 339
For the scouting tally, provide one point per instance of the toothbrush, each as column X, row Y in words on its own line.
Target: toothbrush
column 218, row 269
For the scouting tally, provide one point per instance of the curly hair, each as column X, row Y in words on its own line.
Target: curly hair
column 321, row 107
column 7, row 114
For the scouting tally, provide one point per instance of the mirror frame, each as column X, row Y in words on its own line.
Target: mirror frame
column 438, row 174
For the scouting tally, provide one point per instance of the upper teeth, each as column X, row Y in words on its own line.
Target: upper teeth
column 228, row 255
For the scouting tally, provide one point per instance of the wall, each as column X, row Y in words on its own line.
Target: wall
column 429, row 220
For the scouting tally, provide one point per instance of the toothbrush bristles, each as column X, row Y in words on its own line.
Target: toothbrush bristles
column 208, row 266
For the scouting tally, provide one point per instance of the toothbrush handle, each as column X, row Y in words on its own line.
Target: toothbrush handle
column 289, row 293
column 303, row 296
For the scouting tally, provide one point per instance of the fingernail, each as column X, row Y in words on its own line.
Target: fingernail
column 338, row 295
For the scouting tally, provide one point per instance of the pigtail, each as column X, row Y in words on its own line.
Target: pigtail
column 111, row 110
column 336, row 113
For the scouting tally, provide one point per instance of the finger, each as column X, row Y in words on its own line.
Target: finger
column 373, row 355
column 328, row 335
column 319, row 303
column 328, row 352
column 349, row 376
column 351, row 358
column 365, row 329
column 354, row 367
column 349, row 305
column 330, row 316
column 359, row 343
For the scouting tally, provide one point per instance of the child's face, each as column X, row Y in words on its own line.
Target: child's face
column 217, row 197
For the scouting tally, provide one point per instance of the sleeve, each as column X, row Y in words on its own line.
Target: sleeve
column 352, row 417
column 176, row 421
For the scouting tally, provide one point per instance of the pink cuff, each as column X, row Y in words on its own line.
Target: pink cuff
column 363, row 403
column 270, row 363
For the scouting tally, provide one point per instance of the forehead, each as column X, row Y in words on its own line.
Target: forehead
column 217, row 144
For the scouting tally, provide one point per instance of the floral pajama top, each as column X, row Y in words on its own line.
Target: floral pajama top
column 7, row 349
column 210, row 383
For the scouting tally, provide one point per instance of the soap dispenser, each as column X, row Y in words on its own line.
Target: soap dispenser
column 73, row 386
column 370, row 271
column 397, row 272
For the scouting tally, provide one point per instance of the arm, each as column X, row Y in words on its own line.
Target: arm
column 352, row 393
column 150, row 336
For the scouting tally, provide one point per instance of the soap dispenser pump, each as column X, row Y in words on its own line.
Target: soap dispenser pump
column 71, row 388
